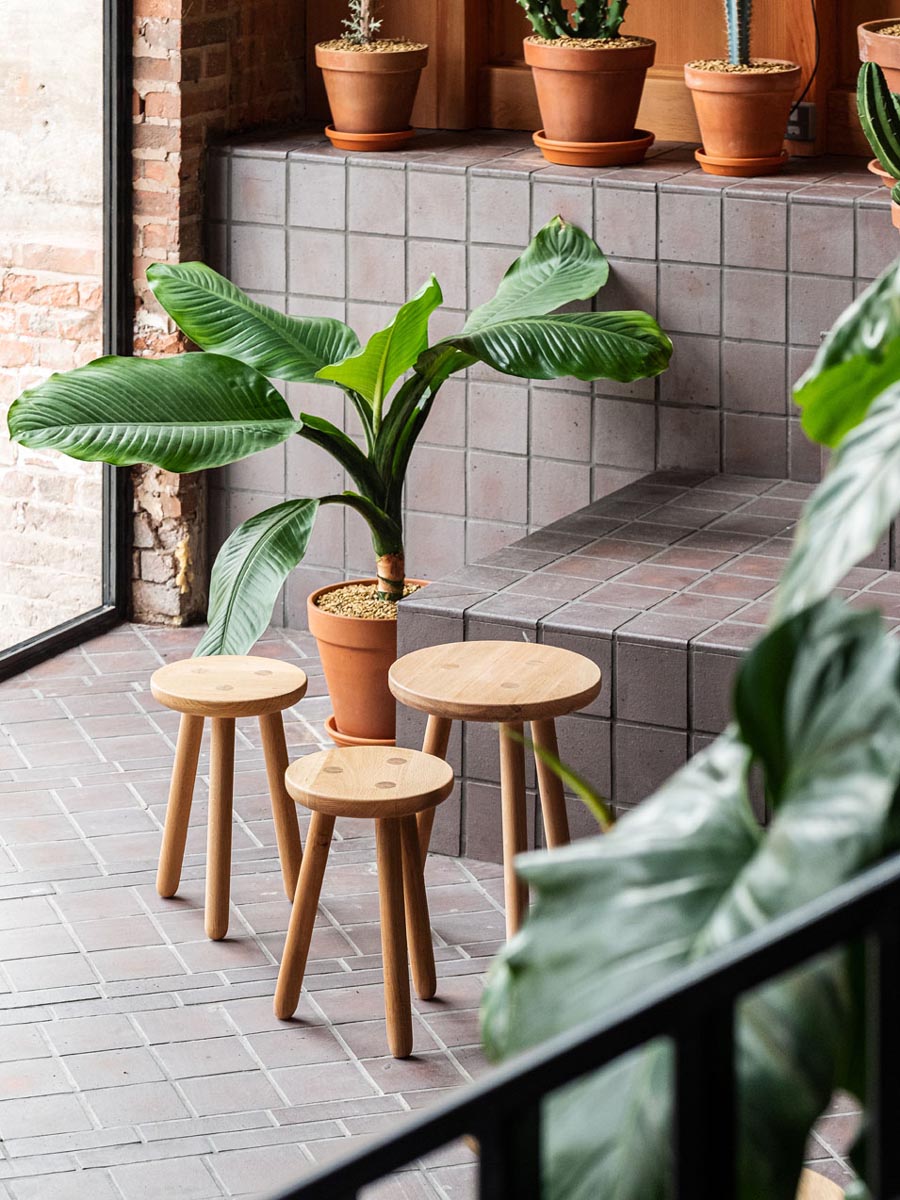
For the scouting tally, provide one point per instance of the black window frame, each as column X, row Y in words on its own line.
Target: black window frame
column 118, row 322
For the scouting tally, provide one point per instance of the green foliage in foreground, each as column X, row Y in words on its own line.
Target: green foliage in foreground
column 817, row 710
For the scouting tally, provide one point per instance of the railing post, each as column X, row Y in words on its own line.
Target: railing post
column 510, row 1154
column 883, row 1052
column 704, row 1117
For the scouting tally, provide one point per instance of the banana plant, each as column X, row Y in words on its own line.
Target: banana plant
column 816, row 709
column 193, row 411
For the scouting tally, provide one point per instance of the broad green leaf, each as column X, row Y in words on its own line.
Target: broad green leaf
column 849, row 511
column 685, row 874
column 391, row 352
column 344, row 450
column 249, row 571
column 604, row 345
column 560, row 265
column 219, row 317
column 183, row 413
column 856, row 362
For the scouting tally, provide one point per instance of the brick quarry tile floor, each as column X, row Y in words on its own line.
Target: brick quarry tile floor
column 139, row 1060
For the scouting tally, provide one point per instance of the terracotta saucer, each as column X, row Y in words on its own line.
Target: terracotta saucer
column 885, row 176
column 743, row 168
column 595, row 154
column 369, row 141
column 345, row 739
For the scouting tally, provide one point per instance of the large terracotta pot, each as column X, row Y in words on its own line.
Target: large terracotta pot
column 742, row 118
column 356, row 657
column 876, row 47
column 371, row 94
column 589, row 95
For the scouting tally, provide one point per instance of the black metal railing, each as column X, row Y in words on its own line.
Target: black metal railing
column 695, row 1008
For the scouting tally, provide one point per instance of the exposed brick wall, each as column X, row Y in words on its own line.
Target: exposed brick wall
column 200, row 69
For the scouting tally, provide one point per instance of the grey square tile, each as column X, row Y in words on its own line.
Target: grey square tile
column 755, row 233
column 822, row 239
column 376, row 268
column 690, row 227
column 688, row 438
column 561, row 424
column 876, row 241
column 557, row 489
column 316, row 263
column 573, row 202
column 651, row 684
column 258, row 258
column 317, row 194
column 644, row 758
column 754, row 377
column 625, row 222
column 499, row 209
column 693, row 374
column 498, row 416
column 445, row 260
column 689, row 298
column 815, row 304
column 624, row 433
column 437, row 205
column 497, row 486
column 377, row 200
column 754, row 305
column 755, row 445
column 259, row 190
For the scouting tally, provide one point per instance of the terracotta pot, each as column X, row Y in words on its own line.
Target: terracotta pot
column 874, row 46
column 588, row 95
column 742, row 117
column 371, row 92
column 356, row 657
column 878, row 170
column 895, row 214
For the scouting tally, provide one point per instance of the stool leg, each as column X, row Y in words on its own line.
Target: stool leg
column 178, row 810
column 437, row 738
column 218, row 837
column 515, row 827
column 418, row 925
column 393, row 937
column 553, row 801
column 284, row 810
column 303, row 916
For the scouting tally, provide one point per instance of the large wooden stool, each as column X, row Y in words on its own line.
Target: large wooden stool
column 222, row 688
column 507, row 683
column 391, row 786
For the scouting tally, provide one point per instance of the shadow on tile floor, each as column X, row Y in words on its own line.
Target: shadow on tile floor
column 138, row 1059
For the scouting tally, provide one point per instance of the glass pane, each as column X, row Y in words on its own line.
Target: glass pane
column 51, row 249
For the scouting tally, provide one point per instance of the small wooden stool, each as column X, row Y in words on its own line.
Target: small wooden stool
column 391, row 786
column 225, row 687
column 507, row 683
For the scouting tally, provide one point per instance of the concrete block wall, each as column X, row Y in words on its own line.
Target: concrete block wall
column 744, row 275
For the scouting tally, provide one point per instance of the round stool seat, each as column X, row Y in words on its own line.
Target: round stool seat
column 495, row 681
column 228, row 685
column 369, row 781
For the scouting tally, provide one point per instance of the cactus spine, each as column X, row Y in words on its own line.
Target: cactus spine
column 879, row 115
column 590, row 19
column 738, row 17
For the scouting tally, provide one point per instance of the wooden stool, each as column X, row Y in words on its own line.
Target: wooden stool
column 508, row 683
column 225, row 687
column 391, row 786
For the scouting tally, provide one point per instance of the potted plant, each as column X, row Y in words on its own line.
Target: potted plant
column 589, row 80
column 193, row 411
column 371, row 82
column 879, row 42
column 690, row 872
column 742, row 103
column 879, row 115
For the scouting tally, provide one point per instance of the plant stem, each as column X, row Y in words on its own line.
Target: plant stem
column 391, row 573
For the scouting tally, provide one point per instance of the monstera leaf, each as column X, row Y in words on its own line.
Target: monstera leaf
column 390, row 352
column 614, row 345
column 249, row 571
column 690, row 872
column 183, row 413
column 561, row 264
column 219, row 317
column 849, row 511
column 856, row 362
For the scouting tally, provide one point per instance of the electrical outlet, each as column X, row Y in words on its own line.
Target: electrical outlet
column 802, row 125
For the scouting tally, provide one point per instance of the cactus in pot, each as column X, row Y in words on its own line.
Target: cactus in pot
column 879, row 115
column 738, row 18
column 590, row 19
column 589, row 80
